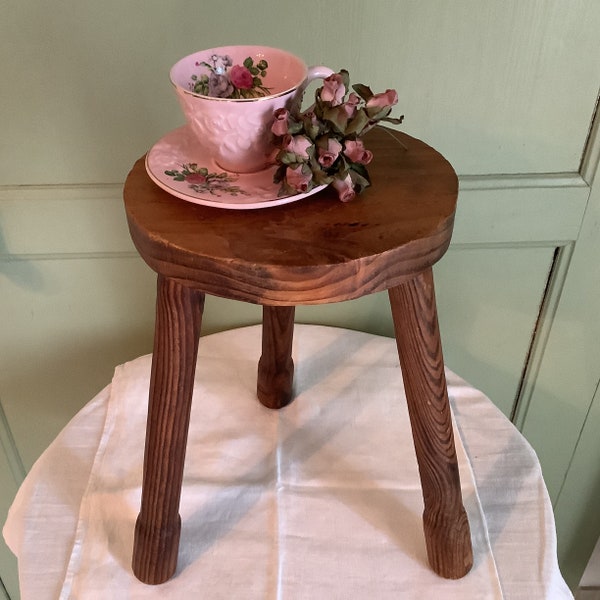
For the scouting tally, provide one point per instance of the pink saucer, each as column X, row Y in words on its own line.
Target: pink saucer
column 181, row 167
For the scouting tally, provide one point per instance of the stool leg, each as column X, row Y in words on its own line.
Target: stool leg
column 178, row 319
column 276, row 368
column 447, row 533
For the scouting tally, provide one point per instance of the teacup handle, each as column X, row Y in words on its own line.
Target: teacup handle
column 319, row 72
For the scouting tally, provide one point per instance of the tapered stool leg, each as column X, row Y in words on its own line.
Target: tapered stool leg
column 447, row 533
column 157, row 529
column 276, row 367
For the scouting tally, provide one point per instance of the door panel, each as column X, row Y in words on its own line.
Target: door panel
column 489, row 302
column 4, row 593
column 9, row 583
column 101, row 315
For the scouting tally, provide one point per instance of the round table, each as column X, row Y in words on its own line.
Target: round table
column 313, row 251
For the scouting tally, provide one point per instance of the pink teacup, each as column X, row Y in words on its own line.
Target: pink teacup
column 236, row 131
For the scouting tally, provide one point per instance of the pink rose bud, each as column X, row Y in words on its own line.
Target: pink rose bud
column 299, row 180
column 280, row 124
column 344, row 188
column 383, row 100
column 333, row 89
column 351, row 105
column 299, row 145
column 328, row 156
column 356, row 152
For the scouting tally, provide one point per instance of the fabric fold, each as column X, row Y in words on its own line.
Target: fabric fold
column 318, row 500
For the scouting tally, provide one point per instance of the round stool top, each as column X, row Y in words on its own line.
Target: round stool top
column 312, row 251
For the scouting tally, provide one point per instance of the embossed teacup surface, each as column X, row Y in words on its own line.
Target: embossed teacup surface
column 229, row 94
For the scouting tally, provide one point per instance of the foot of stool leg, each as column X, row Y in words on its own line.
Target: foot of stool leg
column 276, row 368
column 178, row 319
column 156, row 551
column 448, row 541
column 445, row 522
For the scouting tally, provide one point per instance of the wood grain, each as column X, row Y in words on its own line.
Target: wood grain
column 276, row 367
column 178, row 320
column 447, row 532
column 284, row 255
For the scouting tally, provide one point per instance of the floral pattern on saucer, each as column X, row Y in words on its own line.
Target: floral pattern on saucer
column 200, row 179
column 186, row 170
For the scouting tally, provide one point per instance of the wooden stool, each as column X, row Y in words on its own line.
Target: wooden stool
column 313, row 251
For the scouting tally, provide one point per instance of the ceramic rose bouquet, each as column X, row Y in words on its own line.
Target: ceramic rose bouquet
column 322, row 145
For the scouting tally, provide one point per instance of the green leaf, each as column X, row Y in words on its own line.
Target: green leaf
column 320, row 177
column 377, row 112
column 322, row 142
column 364, row 91
column 345, row 78
column 337, row 116
column 344, row 164
column 305, row 168
column 248, row 62
column 311, row 129
column 253, row 70
column 294, row 127
column 360, row 177
column 358, row 123
column 361, row 170
column 279, row 174
column 287, row 158
column 395, row 121
column 286, row 189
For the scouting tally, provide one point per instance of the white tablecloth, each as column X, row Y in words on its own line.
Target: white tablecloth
column 320, row 500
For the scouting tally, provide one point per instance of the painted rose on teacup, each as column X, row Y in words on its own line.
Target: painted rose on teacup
column 229, row 95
